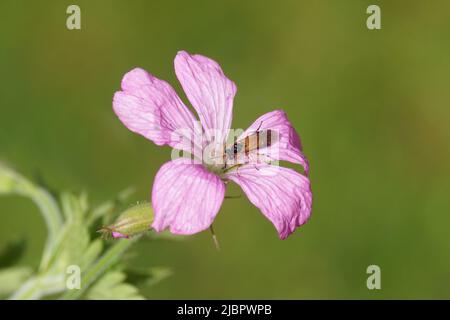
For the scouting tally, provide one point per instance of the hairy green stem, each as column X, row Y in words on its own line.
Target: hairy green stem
column 13, row 183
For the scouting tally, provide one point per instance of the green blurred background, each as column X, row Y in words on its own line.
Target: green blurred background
column 372, row 109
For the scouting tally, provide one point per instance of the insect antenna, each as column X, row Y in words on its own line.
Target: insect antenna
column 259, row 127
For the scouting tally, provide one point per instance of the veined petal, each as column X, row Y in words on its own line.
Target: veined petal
column 288, row 146
column 150, row 107
column 282, row 194
column 210, row 92
column 185, row 197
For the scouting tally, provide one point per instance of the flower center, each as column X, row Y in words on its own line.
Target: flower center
column 213, row 160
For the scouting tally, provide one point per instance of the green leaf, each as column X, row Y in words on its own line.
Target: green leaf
column 73, row 243
column 69, row 243
column 12, row 278
column 106, row 261
column 92, row 253
column 73, row 238
column 112, row 287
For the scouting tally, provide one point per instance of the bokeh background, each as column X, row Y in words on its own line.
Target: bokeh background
column 372, row 109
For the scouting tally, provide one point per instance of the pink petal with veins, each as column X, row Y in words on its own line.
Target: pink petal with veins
column 288, row 148
column 210, row 92
column 186, row 197
column 283, row 195
column 151, row 108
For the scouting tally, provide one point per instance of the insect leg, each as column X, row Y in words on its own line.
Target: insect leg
column 259, row 127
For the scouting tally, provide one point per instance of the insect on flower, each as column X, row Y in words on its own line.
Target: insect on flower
column 150, row 107
column 238, row 153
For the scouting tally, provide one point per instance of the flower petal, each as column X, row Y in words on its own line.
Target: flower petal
column 117, row 235
column 185, row 197
column 282, row 194
column 210, row 92
column 150, row 107
column 288, row 146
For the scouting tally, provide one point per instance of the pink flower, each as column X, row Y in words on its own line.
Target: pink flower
column 187, row 194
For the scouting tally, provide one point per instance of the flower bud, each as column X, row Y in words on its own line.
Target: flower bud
column 132, row 221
